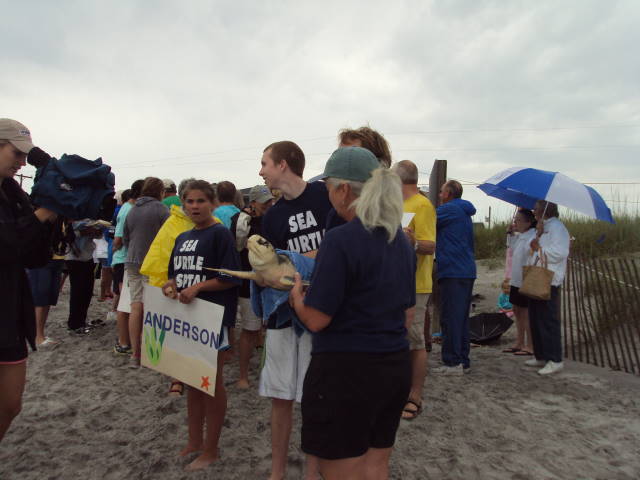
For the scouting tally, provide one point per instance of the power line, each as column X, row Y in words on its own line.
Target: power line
column 531, row 129
column 497, row 149
column 471, row 182
column 154, row 163
column 427, row 132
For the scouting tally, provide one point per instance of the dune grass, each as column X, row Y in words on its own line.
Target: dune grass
column 589, row 237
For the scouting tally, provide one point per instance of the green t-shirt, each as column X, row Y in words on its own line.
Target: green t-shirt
column 172, row 200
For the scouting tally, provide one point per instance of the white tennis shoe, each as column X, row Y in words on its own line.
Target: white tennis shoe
column 551, row 367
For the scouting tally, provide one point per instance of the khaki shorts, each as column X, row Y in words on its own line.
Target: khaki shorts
column 245, row 317
column 136, row 282
column 416, row 331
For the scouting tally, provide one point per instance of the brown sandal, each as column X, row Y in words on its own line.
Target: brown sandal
column 511, row 350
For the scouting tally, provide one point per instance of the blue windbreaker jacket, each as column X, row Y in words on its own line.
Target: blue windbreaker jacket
column 454, row 240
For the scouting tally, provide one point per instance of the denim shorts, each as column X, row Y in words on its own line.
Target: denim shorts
column 45, row 283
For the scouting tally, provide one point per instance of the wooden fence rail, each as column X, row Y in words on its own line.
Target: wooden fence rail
column 600, row 312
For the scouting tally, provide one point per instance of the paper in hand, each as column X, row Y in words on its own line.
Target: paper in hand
column 406, row 219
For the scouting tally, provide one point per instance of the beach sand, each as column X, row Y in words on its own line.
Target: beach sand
column 86, row 415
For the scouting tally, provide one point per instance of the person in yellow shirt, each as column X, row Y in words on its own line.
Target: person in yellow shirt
column 422, row 233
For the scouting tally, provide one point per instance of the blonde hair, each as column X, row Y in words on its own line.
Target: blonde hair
column 380, row 204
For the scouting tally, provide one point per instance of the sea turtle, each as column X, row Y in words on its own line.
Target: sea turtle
column 270, row 269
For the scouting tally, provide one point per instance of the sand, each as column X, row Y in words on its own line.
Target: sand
column 86, row 415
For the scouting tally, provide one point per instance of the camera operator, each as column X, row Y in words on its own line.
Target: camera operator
column 24, row 243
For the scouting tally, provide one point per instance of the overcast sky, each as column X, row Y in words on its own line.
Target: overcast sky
column 199, row 88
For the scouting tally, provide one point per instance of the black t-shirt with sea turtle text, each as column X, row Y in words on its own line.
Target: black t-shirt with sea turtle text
column 299, row 224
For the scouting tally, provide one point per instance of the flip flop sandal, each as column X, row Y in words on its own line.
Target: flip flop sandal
column 523, row 353
column 511, row 350
column 176, row 389
column 49, row 343
column 412, row 414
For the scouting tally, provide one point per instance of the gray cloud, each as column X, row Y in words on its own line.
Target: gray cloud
column 199, row 88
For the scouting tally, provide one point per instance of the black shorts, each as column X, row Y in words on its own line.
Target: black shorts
column 118, row 277
column 15, row 354
column 516, row 298
column 353, row 401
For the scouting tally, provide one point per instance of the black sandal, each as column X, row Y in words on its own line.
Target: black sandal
column 412, row 414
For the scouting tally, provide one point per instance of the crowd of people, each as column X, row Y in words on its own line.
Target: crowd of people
column 358, row 366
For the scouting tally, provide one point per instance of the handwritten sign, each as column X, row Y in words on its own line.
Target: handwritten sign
column 182, row 340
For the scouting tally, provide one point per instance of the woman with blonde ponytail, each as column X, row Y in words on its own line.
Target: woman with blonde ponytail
column 364, row 281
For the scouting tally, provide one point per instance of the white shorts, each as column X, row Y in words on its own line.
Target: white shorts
column 245, row 317
column 286, row 361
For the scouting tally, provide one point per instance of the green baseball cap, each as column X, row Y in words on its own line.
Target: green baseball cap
column 351, row 163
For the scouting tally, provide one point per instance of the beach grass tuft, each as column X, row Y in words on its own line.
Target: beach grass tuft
column 590, row 237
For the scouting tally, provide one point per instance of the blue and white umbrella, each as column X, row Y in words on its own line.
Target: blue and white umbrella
column 524, row 186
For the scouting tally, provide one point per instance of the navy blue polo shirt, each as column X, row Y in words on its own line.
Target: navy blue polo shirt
column 365, row 284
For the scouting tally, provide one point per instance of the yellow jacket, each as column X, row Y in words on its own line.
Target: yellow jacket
column 156, row 263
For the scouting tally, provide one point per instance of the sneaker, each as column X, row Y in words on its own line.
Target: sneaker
column 122, row 349
column 534, row 362
column 447, row 370
column 551, row 367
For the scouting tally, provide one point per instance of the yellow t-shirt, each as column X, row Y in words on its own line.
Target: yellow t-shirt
column 424, row 226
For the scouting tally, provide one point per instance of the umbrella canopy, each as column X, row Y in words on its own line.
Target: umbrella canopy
column 524, row 186
column 488, row 327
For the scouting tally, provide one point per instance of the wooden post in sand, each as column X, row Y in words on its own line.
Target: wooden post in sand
column 437, row 178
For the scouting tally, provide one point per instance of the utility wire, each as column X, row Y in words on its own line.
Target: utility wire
column 155, row 163
column 426, row 132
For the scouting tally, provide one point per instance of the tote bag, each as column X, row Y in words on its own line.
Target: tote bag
column 536, row 280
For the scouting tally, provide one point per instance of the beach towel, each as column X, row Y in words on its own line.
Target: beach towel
column 75, row 187
column 269, row 301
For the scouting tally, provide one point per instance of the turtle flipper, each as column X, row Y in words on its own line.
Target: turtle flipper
column 236, row 273
column 287, row 281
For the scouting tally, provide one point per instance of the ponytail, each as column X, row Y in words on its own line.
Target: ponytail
column 380, row 204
